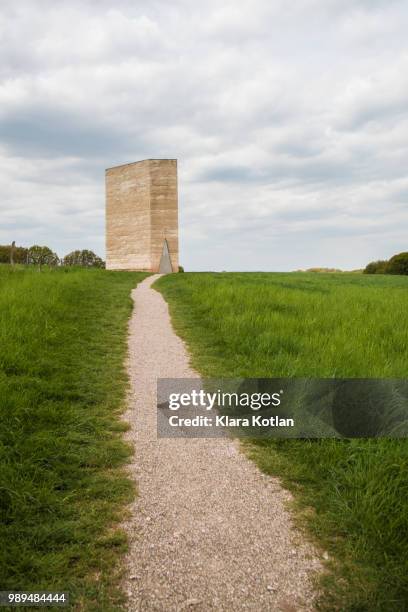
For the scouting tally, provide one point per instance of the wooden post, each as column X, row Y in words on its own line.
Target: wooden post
column 13, row 244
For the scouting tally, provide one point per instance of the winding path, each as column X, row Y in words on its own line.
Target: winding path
column 208, row 530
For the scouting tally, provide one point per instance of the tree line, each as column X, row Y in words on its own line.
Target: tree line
column 44, row 256
column 398, row 264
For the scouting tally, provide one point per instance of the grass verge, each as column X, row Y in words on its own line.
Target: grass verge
column 62, row 386
column 351, row 494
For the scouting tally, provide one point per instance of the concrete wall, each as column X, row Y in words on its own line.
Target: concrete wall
column 141, row 210
column 164, row 210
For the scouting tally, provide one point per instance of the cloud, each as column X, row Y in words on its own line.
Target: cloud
column 289, row 121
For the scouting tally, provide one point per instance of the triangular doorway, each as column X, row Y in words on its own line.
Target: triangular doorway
column 165, row 266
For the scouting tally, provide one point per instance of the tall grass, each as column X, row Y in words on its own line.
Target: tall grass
column 62, row 384
column 352, row 494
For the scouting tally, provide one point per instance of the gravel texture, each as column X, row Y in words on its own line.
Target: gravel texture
column 208, row 530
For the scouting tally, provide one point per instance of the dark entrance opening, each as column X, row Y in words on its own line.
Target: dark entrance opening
column 165, row 266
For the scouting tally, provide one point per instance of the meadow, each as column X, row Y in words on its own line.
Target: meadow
column 350, row 495
column 63, row 339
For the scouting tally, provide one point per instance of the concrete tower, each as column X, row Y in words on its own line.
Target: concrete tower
column 142, row 216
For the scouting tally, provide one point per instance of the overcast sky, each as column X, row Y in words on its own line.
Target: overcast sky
column 289, row 121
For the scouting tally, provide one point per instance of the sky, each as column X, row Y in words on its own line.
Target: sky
column 289, row 121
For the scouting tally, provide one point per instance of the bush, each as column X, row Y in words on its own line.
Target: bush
column 398, row 264
column 84, row 258
column 181, row 269
column 376, row 267
column 20, row 254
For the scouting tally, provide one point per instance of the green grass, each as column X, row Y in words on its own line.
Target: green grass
column 352, row 495
column 62, row 386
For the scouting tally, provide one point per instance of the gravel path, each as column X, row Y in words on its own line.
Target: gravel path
column 208, row 531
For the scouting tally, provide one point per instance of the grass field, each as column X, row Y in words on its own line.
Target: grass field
column 62, row 383
column 352, row 495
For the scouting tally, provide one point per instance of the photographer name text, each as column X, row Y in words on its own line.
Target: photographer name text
column 227, row 421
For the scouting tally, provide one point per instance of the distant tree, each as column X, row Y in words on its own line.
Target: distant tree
column 376, row 267
column 42, row 256
column 324, row 270
column 19, row 256
column 84, row 258
column 398, row 264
